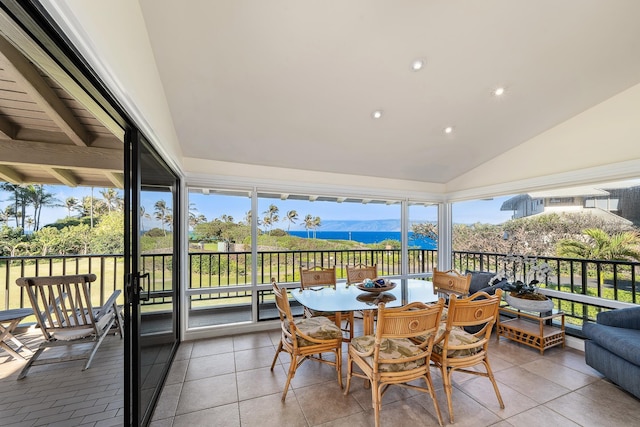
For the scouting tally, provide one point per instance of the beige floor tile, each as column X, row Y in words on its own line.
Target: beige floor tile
column 323, row 402
column 531, row 385
column 255, row 340
column 207, row 347
column 254, row 358
column 207, row 393
column 220, row 416
column 260, row 382
column 210, row 366
column 541, row 416
column 270, row 411
column 587, row 412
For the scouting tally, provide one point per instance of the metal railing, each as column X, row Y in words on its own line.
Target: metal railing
column 222, row 279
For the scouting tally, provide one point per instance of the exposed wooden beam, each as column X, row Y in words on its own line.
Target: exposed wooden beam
column 37, row 55
column 65, row 176
column 8, row 130
column 28, row 78
column 116, row 178
column 7, row 173
column 60, row 156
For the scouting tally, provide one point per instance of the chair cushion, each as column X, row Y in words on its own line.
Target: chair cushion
column 319, row 328
column 457, row 336
column 390, row 348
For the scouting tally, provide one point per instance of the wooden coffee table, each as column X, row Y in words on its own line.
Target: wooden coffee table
column 532, row 329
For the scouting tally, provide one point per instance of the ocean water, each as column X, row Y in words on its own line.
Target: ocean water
column 368, row 237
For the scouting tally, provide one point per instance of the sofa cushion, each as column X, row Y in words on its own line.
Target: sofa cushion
column 620, row 341
column 479, row 280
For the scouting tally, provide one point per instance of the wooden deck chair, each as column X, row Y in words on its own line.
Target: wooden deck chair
column 450, row 282
column 62, row 306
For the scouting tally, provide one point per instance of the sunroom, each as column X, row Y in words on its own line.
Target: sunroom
column 420, row 108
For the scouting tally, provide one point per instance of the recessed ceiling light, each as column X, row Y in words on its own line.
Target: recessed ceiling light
column 417, row 64
column 499, row 91
column 448, row 129
column 376, row 114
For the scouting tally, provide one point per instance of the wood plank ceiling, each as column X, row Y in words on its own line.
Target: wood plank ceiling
column 50, row 131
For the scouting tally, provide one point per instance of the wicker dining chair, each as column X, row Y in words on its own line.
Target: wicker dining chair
column 315, row 277
column 456, row 350
column 359, row 272
column 450, row 282
column 392, row 357
column 305, row 339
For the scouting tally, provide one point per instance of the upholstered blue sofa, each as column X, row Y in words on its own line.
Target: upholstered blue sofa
column 613, row 347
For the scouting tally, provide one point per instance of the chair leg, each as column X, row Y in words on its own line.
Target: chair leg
column 432, row 393
column 105, row 331
column 349, row 371
column 376, row 397
column 339, row 365
column 26, row 368
column 119, row 320
column 292, row 371
column 493, row 381
column 448, row 390
column 276, row 355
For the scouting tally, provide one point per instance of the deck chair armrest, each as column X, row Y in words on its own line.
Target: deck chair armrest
column 109, row 305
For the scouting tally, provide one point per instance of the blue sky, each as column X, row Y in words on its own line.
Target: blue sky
column 212, row 206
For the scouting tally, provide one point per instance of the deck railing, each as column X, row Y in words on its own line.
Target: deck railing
column 212, row 273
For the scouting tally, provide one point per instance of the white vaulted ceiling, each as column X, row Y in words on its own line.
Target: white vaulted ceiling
column 287, row 89
column 293, row 84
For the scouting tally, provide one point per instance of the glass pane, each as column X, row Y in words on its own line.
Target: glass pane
column 423, row 238
column 219, row 257
column 306, row 231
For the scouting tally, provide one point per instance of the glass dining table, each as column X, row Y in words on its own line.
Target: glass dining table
column 349, row 298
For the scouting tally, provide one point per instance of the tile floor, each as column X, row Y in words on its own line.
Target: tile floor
column 227, row 382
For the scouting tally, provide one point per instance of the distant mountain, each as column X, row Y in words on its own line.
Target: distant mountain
column 356, row 225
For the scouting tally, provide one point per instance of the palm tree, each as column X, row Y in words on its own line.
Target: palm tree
column 600, row 245
column 316, row 224
column 291, row 217
column 71, row 203
column 111, row 199
column 39, row 198
column 271, row 216
column 161, row 212
column 143, row 215
column 308, row 223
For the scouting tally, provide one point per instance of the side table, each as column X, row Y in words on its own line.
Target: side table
column 531, row 329
column 9, row 320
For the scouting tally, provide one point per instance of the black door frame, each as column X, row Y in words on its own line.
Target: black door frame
column 34, row 20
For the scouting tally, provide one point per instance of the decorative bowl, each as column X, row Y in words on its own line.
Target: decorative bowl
column 388, row 286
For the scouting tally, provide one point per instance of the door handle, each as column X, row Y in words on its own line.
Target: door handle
column 134, row 286
column 141, row 288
